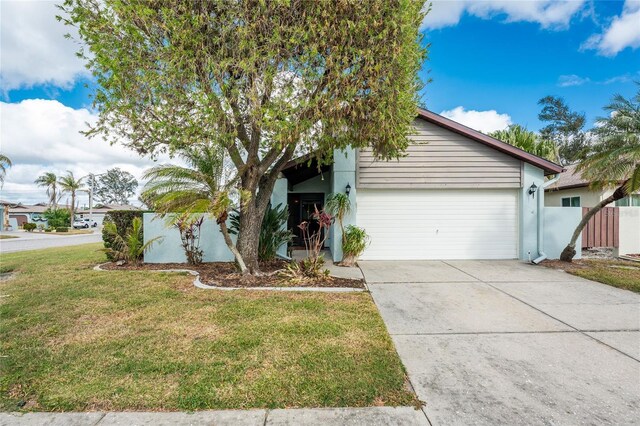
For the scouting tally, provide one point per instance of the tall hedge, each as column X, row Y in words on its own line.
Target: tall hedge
column 123, row 220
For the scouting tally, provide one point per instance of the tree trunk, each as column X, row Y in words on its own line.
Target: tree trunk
column 569, row 251
column 73, row 206
column 222, row 222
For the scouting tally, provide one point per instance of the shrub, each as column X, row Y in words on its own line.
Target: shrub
column 48, row 229
column 57, row 217
column 131, row 247
column 354, row 243
column 123, row 220
column 62, row 229
column 29, row 227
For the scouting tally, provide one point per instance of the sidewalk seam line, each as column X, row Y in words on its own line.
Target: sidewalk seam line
column 100, row 419
column 549, row 315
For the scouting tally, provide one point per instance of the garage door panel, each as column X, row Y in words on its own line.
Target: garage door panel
column 439, row 224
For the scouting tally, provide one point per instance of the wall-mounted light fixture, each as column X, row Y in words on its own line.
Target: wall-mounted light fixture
column 532, row 190
column 347, row 189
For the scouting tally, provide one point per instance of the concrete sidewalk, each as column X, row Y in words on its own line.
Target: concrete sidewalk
column 370, row 416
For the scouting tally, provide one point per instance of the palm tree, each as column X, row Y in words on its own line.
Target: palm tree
column 70, row 185
column 49, row 180
column 5, row 163
column 196, row 188
column 614, row 161
column 339, row 205
column 526, row 140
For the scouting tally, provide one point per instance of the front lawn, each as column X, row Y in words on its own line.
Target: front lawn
column 618, row 273
column 76, row 339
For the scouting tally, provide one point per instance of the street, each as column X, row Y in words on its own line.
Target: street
column 38, row 240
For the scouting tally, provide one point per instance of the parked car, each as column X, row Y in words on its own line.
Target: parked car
column 85, row 223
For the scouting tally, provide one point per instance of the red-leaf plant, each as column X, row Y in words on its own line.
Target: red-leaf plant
column 314, row 242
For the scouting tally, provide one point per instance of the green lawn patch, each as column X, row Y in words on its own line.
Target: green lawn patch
column 617, row 273
column 7, row 237
column 77, row 339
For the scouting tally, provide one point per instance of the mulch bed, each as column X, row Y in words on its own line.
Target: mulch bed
column 583, row 264
column 224, row 274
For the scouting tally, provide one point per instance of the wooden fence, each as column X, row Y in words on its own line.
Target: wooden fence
column 602, row 230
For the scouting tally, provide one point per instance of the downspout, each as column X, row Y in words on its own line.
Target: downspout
column 541, row 254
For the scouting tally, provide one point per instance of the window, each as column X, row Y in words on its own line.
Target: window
column 630, row 201
column 571, row 202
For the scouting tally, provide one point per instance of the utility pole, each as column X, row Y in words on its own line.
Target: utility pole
column 92, row 182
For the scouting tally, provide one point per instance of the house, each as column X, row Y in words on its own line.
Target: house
column 571, row 190
column 19, row 214
column 97, row 213
column 457, row 194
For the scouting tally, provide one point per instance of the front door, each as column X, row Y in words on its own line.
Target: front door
column 301, row 209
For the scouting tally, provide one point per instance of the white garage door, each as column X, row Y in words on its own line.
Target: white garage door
column 413, row 224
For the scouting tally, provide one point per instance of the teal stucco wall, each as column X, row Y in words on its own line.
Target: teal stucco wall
column 344, row 173
column 559, row 224
column 528, row 232
column 170, row 250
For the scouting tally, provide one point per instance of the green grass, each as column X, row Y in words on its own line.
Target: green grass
column 76, row 339
column 7, row 237
column 621, row 274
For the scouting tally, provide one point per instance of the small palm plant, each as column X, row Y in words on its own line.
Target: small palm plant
column 338, row 205
column 131, row 247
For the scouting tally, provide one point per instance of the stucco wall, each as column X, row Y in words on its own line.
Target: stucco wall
column 170, row 250
column 344, row 173
column 559, row 224
column 629, row 230
column 588, row 197
column 529, row 211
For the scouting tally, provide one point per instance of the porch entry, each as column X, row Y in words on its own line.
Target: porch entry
column 301, row 209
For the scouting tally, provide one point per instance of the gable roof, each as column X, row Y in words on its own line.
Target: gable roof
column 549, row 167
column 569, row 179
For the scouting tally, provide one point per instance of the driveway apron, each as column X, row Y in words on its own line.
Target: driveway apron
column 488, row 342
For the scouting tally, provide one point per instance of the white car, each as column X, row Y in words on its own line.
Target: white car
column 85, row 223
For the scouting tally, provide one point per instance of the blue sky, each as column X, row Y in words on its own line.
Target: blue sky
column 490, row 61
column 489, row 64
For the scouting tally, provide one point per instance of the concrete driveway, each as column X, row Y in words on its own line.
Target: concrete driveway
column 504, row 342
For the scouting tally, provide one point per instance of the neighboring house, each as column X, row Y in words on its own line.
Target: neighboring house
column 98, row 212
column 571, row 190
column 457, row 194
column 19, row 214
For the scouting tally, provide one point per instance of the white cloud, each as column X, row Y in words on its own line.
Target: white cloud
column 551, row 14
column 484, row 121
column 43, row 135
column 623, row 32
column 572, row 80
column 34, row 50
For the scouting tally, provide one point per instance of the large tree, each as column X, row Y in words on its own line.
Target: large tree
column 613, row 161
column 70, row 185
column 262, row 79
column 49, row 180
column 114, row 187
column 565, row 128
column 527, row 140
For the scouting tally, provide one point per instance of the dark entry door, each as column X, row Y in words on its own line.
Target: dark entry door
column 301, row 209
